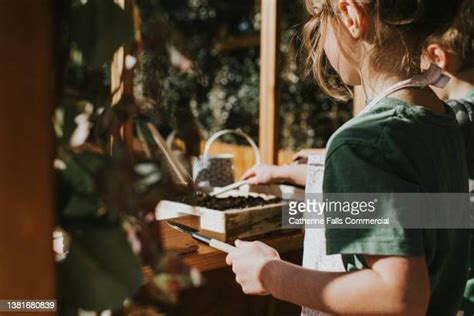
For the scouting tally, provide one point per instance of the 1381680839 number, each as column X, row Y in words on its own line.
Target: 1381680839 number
column 28, row 305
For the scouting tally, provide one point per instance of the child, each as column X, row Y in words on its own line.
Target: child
column 453, row 51
column 408, row 142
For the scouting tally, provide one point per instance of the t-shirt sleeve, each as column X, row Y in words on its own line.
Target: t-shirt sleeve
column 361, row 168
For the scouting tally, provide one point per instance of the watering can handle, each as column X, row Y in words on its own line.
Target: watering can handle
column 239, row 132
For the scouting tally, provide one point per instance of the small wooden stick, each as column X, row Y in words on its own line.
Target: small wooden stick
column 229, row 187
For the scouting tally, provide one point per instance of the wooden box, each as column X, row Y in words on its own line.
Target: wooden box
column 230, row 224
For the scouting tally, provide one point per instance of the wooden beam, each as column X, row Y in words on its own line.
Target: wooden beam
column 269, row 53
column 26, row 141
column 122, row 81
column 231, row 43
column 116, row 83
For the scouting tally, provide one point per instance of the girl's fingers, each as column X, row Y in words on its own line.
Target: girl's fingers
column 302, row 154
column 252, row 180
column 296, row 156
column 248, row 174
column 229, row 259
column 240, row 243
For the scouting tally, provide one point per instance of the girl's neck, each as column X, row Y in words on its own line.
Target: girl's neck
column 423, row 97
column 460, row 84
column 375, row 85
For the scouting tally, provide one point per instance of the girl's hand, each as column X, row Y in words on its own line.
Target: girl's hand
column 248, row 262
column 266, row 174
column 301, row 157
column 261, row 174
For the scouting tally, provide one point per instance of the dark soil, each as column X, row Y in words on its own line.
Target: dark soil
column 228, row 203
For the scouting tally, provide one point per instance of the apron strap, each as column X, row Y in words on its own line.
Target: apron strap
column 433, row 76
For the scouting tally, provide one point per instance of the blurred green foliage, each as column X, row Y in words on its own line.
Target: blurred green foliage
column 223, row 89
column 100, row 270
column 98, row 29
column 105, row 200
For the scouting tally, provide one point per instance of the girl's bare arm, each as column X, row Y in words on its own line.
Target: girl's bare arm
column 266, row 174
column 390, row 286
column 393, row 285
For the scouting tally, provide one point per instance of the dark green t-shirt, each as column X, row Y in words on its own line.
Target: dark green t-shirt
column 464, row 110
column 402, row 148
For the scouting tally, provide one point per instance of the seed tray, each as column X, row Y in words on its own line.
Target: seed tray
column 231, row 216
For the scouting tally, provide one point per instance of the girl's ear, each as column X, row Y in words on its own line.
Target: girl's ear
column 353, row 17
column 436, row 54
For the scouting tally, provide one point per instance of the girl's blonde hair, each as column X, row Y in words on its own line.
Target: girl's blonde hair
column 397, row 30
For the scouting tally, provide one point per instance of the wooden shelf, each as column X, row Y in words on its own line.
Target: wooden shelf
column 237, row 42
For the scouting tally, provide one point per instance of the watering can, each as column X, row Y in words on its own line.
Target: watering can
column 218, row 170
